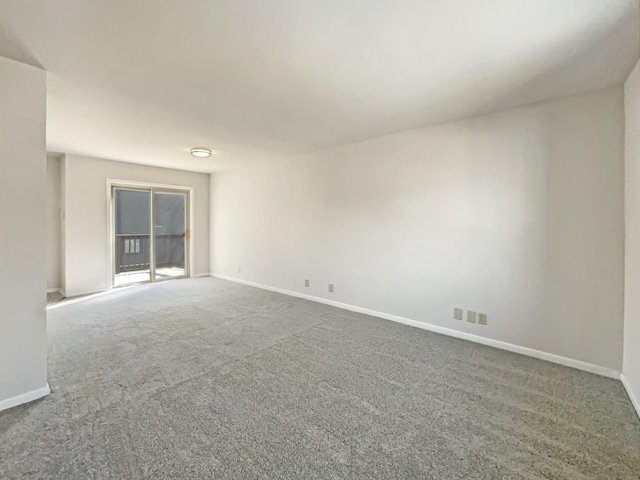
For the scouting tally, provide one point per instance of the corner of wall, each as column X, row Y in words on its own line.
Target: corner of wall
column 631, row 332
column 63, row 210
column 211, row 223
column 23, row 343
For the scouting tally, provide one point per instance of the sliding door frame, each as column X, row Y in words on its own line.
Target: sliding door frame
column 187, row 232
column 151, row 187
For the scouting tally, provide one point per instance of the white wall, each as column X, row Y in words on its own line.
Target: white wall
column 53, row 222
column 631, row 367
column 518, row 214
column 23, row 336
column 86, row 252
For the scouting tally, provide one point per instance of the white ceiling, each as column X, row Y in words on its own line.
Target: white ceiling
column 143, row 81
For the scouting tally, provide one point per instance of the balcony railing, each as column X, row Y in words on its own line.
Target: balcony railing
column 133, row 252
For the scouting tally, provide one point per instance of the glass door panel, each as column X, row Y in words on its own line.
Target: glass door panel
column 170, row 234
column 132, row 241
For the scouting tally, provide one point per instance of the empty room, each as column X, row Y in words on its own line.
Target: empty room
column 320, row 239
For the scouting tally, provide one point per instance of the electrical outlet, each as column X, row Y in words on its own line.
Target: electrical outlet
column 457, row 314
column 239, row 269
column 471, row 316
column 306, row 282
column 482, row 318
column 331, row 287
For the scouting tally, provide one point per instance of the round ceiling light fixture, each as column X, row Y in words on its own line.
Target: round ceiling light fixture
column 200, row 152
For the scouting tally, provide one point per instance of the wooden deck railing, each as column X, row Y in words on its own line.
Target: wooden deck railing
column 133, row 252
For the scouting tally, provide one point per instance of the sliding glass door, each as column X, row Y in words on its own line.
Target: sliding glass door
column 150, row 227
column 170, row 234
column 132, row 245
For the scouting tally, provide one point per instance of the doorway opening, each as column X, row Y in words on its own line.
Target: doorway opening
column 149, row 234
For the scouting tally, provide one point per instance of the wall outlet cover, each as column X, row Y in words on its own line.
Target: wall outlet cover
column 457, row 314
column 331, row 287
column 482, row 318
column 306, row 282
column 471, row 316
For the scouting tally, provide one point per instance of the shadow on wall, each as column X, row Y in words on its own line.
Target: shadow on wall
column 11, row 47
column 621, row 40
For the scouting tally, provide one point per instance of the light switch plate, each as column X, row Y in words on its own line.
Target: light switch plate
column 457, row 314
column 482, row 318
column 471, row 316
column 331, row 287
column 306, row 282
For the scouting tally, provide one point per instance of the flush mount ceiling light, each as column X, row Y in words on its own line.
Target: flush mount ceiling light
column 200, row 152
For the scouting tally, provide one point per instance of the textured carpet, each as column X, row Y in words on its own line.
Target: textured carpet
column 204, row 378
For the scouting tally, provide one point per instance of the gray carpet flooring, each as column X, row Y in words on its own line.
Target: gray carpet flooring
column 202, row 378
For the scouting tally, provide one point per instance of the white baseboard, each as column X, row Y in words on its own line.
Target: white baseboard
column 77, row 297
column 83, row 297
column 530, row 352
column 634, row 400
column 53, row 290
column 89, row 292
column 24, row 398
